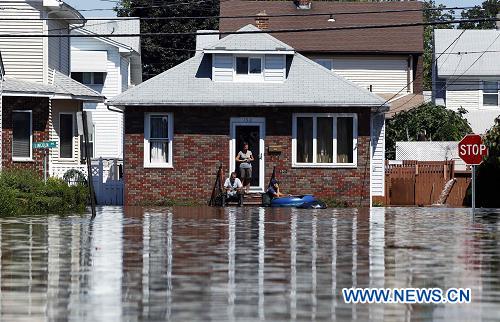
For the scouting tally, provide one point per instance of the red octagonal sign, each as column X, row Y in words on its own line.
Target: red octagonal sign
column 472, row 150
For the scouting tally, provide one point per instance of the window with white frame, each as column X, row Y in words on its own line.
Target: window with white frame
column 324, row 140
column 248, row 66
column 66, row 132
column 327, row 63
column 158, row 135
column 22, row 135
column 490, row 94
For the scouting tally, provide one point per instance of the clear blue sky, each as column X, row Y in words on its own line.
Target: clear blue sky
column 93, row 4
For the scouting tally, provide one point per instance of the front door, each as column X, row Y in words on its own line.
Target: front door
column 249, row 130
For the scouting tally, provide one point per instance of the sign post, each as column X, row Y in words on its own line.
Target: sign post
column 45, row 146
column 472, row 150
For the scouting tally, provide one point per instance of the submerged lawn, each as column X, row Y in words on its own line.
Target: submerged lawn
column 24, row 192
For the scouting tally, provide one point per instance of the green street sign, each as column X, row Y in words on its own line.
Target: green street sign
column 44, row 145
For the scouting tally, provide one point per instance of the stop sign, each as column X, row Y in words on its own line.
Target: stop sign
column 472, row 150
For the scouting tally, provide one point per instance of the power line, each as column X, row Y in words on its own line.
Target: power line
column 420, row 75
column 276, row 31
column 292, row 15
column 461, row 75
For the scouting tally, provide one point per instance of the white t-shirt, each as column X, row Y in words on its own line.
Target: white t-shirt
column 236, row 184
column 245, row 157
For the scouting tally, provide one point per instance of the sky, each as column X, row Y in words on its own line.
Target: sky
column 107, row 4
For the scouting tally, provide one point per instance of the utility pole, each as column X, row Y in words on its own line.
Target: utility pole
column 90, row 181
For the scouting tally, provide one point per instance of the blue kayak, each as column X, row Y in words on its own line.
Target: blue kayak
column 292, row 201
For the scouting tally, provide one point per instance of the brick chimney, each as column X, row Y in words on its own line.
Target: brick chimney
column 262, row 20
column 303, row 4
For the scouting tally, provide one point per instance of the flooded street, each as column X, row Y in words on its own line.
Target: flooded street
column 245, row 264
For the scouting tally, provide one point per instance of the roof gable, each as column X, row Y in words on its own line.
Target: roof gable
column 250, row 42
column 113, row 26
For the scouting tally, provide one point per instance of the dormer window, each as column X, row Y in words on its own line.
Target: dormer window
column 248, row 67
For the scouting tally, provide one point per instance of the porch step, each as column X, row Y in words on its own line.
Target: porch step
column 251, row 199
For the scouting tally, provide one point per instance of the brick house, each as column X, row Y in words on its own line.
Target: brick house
column 312, row 124
column 388, row 62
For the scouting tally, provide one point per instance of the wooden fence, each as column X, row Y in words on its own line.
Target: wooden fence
column 421, row 183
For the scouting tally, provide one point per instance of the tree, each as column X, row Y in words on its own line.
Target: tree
column 427, row 122
column 437, row 13
column 488, row 175
column 165, row 52
column 488, row 9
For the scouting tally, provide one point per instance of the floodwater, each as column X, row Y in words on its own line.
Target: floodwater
column 245, row 264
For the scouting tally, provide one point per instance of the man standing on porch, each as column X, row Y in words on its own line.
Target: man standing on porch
column 244, row 158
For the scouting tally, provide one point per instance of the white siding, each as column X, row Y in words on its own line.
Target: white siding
column 124, row 71
column 222, row 68
column 108, row 125
column 384, row 74
column 274, row 68
column 22, row 57
column 378, row 154
column 465, row 94
column 58, row 49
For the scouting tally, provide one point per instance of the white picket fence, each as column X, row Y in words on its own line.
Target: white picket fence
column 106, row 179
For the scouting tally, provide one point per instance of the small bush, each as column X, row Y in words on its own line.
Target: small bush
column 24, row 192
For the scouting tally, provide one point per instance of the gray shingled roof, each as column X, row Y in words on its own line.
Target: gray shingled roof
column 189, row 83
column 110, row 26
column 63, row 85
column 12, row 85
column 69, row 86
column 456, row 61
column 263, row 42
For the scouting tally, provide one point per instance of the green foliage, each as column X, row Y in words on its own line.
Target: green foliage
column 162, row 53
column 427, row 122
column 488, row 175
column 488, row 9
column 439, row 14
column 24, row 192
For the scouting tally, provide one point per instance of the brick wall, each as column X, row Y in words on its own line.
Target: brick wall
column 40, row 117
column 203, row 132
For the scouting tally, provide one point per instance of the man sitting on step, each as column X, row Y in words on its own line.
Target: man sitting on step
column 233, row 188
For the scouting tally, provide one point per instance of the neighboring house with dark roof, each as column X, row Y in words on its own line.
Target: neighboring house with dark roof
column 39, row 99
column 310, row 123
column 109, row 65
column 467, row 74
column 386, row 61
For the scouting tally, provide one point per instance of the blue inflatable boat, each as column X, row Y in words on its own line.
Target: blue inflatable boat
column 293, row 201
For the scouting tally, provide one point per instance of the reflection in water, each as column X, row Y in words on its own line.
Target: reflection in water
column 232, row 264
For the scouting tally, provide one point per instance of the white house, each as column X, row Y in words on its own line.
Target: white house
column 39, row 99
column 109, row 65
column 467, row 74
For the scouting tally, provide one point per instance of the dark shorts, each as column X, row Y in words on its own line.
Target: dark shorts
column 246, row 174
